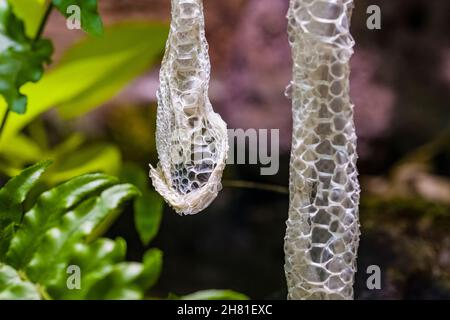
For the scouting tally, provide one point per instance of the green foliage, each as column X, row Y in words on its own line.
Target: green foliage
column 96, row 260
column 103, row 157
column 54, row 234
column 13, row 194
column 148, row 209
column 128, row 279
column 133, row 48
column 21, row 59
column 71, row 158
column 90, row 19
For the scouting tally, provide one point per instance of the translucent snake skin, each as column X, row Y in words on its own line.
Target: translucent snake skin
column 323, row 227
column 192, row 141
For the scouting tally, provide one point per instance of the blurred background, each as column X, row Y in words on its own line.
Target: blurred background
column 104, row 119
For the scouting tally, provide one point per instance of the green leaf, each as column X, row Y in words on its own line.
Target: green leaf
column 21, row 59
column 129, row 280
column 10, row 170
column 119, row 284
column 215, row 295
column 46, row 214
column 91, row 21
column 30, row 12
column 6, row 235
column 70, row 158
column 120, row 38
column 12, row 287
column 152, row 262
column 52, row 255
column 98, row 157
column 13, row 194
column 21, row 150
column 148, row 209
column 95, row 261
column 68, row 146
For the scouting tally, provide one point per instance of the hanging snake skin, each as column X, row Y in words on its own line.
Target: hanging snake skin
column 192, row 141
column 323, row 227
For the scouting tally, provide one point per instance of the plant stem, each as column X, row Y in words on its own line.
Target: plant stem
column 5, row 118
column 255, row 185
column 41, row 289
column 43, row 22
column 36, row 38
column 44, row 294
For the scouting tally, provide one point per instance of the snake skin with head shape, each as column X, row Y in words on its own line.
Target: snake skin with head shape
column 191, row 138
column 323, row 227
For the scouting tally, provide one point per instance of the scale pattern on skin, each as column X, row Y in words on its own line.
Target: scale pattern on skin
column 191, row 138
column 323, row 227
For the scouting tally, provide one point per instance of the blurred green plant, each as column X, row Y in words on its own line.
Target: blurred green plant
column 118, row 57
